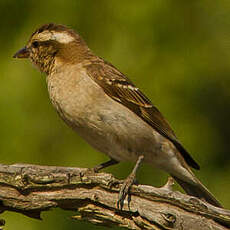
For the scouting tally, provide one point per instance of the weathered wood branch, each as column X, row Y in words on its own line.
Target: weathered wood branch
column 31, row 189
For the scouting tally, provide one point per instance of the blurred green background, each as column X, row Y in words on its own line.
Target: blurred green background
column 176, row 51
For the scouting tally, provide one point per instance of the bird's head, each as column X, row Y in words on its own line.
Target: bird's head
column 51, row 42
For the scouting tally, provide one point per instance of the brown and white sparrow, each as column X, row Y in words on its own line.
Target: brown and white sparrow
column 104, row 107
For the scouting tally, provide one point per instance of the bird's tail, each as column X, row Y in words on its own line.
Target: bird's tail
column 198, row 190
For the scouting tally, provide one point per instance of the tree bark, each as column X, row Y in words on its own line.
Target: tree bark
column 31, row 189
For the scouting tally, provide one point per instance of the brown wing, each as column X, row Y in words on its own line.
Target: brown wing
column 121, row 89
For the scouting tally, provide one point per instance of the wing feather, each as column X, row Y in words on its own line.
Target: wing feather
column 121, row 89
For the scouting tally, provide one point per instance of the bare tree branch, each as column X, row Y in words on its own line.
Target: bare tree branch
column 31, row 189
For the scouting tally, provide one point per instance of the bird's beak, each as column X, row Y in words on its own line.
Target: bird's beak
column 22, row 53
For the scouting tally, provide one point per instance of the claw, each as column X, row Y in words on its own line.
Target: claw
column 129, row 181
column 124, row 191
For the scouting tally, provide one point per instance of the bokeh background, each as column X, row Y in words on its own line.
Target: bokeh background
column 176, row 51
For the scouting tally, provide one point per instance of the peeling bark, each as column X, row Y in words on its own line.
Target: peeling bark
column 31, row 189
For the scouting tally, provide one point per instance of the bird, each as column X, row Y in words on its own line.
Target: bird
column 106, row 109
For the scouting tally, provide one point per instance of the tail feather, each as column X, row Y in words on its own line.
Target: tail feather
column 198, row 190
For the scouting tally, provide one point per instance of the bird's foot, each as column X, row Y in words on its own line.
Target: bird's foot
column 129, row 181
column 96, row 169
column 104, row 165
column 124, row 191
column 86, row 173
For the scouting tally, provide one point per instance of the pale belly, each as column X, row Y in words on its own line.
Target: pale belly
column 107, row 125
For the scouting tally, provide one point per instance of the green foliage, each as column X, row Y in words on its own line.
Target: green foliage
column 177, row 52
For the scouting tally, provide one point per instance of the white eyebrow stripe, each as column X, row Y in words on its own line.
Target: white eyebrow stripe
column 62, row 37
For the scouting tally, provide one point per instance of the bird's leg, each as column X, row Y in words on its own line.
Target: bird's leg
column 105, row 165
column 97, row 168
column 128, row 183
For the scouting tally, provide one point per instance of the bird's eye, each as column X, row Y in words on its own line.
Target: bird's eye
column 35, row 44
